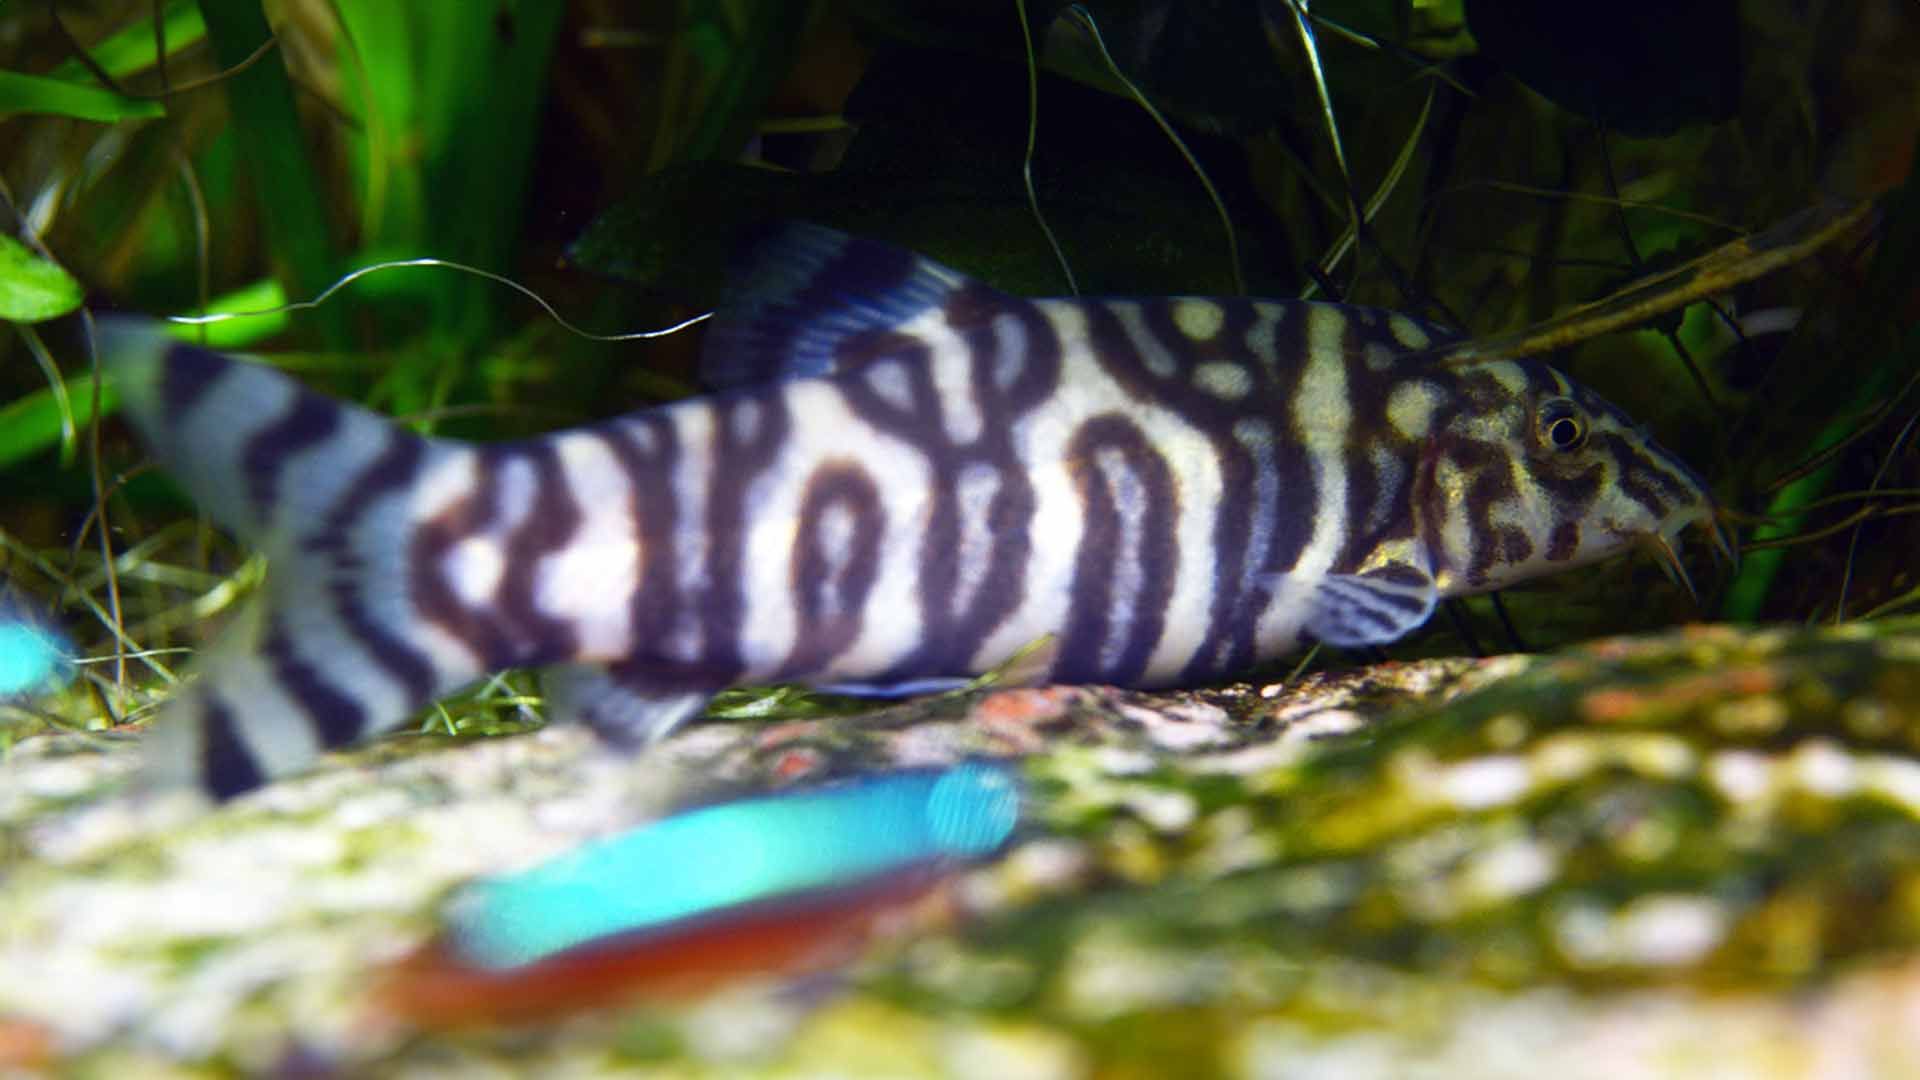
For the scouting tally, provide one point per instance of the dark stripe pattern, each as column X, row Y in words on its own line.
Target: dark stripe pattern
column 650, row 453
column 188, row 374
column 1012, row 367
column 1125, row 570
column 335, row 716
column 1266, row 477
column 349, row 585
column 224, row 761
column 749, row 432
column 835, row 559
column 311, row 420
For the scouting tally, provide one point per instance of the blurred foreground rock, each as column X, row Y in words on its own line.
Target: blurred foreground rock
column 1668, row 855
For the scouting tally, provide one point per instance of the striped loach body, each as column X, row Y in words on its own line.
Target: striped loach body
column 903, row 478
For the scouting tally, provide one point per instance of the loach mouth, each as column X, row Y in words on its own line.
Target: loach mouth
column 1664, row 544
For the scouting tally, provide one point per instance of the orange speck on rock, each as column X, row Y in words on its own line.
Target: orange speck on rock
column 798, row 762
column 1012, row 715
column 1751, row 680
column 1610, row 706
column 1617, row 648
column 1685, row 692
column 1025, row 705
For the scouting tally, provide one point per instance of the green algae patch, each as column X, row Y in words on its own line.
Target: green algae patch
column 1711, row 806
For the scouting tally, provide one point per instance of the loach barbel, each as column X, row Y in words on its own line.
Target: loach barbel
column 903, row 478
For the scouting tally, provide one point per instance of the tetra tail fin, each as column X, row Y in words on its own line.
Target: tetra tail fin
column 329, row 652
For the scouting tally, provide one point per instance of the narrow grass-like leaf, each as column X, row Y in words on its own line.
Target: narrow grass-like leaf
column 51, row 371
column 1226, row 220
column 33, row 289
column 1895, row 263
column 243, row 329
column 376, row 59
column 450, row 97
column 1717, row 271
column 746, row 59
column 38, row 94
column 130, row 50
column 274, row 148
column 1746, row 596
column 480, row 80
column 31, row 425
column 1380, row 195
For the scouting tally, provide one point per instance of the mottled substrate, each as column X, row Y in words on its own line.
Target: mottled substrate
column 1660, row 854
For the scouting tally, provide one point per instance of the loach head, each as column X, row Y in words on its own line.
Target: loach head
column 1528, row 473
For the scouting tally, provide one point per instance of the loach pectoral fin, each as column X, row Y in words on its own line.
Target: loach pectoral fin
column 621, row 707
column 1372, row 608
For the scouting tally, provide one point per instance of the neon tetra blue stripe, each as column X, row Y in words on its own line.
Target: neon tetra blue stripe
column 905, row 478
column 706, row 860
column 33, row 658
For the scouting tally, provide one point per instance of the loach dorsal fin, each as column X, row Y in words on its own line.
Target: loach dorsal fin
column 808, row 301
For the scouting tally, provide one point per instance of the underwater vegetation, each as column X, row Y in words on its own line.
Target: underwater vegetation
column 1707, row 212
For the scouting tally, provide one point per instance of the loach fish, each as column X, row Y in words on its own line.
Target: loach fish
column 903, row 478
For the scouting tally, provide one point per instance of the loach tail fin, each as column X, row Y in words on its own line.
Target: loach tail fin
column 331, row 649
column 233, row 434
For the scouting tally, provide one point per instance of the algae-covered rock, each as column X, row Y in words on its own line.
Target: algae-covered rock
column 1656, row 854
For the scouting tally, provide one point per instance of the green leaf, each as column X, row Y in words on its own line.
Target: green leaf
column 746, row 59
column 33, row 289
column 274, row 149
column 32, row 424
column 130, row 50
column 435, row 74
column 38, row 94
column 431, row 75
column 238, row 333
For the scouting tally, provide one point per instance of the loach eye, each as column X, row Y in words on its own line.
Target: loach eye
column 1561, row 425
